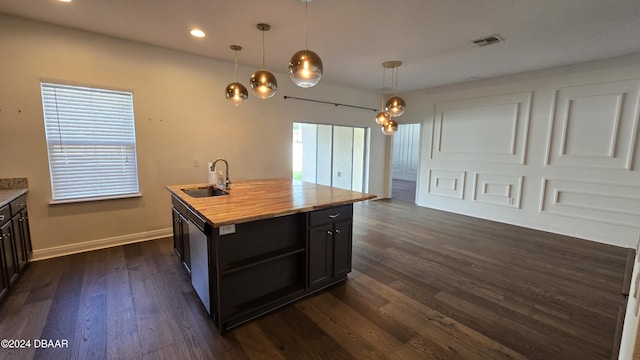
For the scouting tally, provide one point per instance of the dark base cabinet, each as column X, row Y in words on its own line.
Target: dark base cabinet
column 181, row 234
column 329, row 245
column 259, row 266
column 15, row 242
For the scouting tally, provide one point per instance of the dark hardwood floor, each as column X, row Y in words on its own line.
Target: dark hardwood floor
column 425, row 285
column 403, row 190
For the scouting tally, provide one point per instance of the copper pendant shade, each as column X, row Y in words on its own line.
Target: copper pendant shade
column 396, row 106
column 262, row 82
column 305, row 66
column 235, row 92
column 390, row 127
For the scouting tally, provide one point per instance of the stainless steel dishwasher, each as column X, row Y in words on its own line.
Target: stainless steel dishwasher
column 200, row 264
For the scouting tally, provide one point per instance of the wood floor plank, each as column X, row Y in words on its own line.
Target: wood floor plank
column 319, row 343
column 63, row 312
column 90, row 341
column 24, row 327
column 91, row 331
column 357, row 299
column 122, row 332
column 350, row 319
column 256, row 343
column 350, row 340
column 284, row 338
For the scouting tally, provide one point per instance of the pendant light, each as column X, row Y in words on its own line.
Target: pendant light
column 383, row 116
column 235, row 92
column 305, row 66
column 390, row 127
column 395, row 105
column 262, row 82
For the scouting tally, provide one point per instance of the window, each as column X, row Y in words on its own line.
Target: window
column 330, row 155
column 91, row 142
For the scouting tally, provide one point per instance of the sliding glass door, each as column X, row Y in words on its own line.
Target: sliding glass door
column 330, row 155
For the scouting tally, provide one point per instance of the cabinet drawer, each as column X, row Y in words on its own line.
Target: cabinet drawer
column 325, row 216
column 5, row 214
column 18, row 204
column 182, row 208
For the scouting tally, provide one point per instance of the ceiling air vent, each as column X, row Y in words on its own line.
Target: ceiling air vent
column 488, row 40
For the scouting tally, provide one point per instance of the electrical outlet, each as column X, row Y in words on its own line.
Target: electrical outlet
column 196, row 163
column 510, row 201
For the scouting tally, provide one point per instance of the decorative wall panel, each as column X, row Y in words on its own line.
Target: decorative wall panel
column 447, row 183
column 594, row 126
column 495, row 189
column 617, row 204
column 489, row 129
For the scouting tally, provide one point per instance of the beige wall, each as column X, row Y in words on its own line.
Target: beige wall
column 181, row 115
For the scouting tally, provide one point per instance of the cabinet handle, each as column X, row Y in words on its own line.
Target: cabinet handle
column 334, row 216
column 1, row 217
column 20, row 204
column 337, row 231
column 329, row 233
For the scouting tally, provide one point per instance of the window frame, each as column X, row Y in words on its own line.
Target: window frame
column 92, row 158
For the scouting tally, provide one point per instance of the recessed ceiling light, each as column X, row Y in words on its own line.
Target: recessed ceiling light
column 67, row 1
column 198, row 33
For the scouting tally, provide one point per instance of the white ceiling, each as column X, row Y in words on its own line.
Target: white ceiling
column 353, row 37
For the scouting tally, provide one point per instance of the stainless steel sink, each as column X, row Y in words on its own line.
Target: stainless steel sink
column 204, row 192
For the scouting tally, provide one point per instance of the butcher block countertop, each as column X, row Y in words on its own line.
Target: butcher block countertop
column 263, row 199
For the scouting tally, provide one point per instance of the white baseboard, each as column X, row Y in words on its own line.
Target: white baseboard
column 57, row 251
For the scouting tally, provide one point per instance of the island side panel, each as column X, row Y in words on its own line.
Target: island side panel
column 261, row 266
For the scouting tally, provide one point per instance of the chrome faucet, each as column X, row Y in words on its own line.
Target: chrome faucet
column 227, row 181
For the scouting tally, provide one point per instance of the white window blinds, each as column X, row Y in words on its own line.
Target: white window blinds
column 91, row 142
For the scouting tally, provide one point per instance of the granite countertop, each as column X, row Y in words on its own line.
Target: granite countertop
column 11, row 188
column 263, row 199
column 8, row 195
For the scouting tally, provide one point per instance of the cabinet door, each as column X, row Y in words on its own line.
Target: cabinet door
column 181, row 238
column 320, row 254
column 186, row 246
column 342, row 249
column 11, row 266
column 18, row 241
column 26, row 234
column 177, row 233
column 4, row 283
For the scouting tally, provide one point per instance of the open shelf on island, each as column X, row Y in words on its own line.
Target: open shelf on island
column 257, row 260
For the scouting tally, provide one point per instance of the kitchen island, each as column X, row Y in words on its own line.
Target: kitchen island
column 262, row 244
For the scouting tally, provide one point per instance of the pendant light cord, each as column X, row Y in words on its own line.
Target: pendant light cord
column 383, row 73
column 306, row 5
column 395, row 81
column 236, row 65
column 263, row 48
